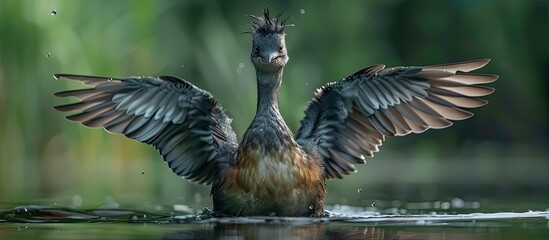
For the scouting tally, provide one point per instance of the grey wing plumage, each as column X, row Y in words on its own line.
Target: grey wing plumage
column 349, row 119
column 185, row 124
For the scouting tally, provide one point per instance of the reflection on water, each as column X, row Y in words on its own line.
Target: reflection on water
column 48, row 214
column 342, row 222
column 325, row 231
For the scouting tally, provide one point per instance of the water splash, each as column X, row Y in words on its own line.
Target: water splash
column 53, row 12
column 337, row 213
column 357, row 223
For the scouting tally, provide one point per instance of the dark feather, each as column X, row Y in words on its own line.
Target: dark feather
column 177, row 118
column 350, row 118
column 266, row 25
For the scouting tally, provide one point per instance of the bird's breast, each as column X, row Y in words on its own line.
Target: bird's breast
column 283, row 180
column 269, row 173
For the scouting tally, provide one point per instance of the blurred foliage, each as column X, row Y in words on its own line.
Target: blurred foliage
column 500, row 152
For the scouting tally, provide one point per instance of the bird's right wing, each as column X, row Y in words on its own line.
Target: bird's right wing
column 189, row 129
column 349, row 119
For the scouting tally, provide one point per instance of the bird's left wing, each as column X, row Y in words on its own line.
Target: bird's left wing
column 349, row 119
column 185, row 123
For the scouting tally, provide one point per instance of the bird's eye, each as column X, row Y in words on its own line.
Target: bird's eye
column 256, row 49
column 280, row 49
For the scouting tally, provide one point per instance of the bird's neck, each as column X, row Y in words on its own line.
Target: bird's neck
column 268, row 87
column 268, row 134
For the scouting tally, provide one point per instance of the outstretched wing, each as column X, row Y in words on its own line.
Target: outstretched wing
column 349, row 119
column 189, row 129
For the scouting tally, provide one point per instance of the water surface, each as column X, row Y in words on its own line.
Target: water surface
column 342, row 222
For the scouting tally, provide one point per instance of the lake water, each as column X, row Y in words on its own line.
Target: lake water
column 423, row 220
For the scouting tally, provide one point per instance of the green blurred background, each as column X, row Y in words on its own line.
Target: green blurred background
column 500, row 154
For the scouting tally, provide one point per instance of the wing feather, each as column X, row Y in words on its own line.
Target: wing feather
column 349, row 119
column 179, row 119
column 465, row 66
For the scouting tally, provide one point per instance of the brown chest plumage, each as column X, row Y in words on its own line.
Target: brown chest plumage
column 266, row 181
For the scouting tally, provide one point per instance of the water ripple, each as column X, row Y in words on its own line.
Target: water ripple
column 339, row 213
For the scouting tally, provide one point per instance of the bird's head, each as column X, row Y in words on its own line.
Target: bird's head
column 268, row 46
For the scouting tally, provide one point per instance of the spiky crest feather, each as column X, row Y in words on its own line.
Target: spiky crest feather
column 266, row 25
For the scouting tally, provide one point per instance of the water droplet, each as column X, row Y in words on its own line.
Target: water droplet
column 445, row 205
column 53, row 12
column 182, row 65
column 393, row 211
column 359, row 190
column 55, row 203
column 306, row 84
column 77, row 200
column 142, row 172
column 241, row 65
column 475, row 205
column 239, row 70
column 110, row 79
column 272, row 214
column 48, row 54
column 373, row 204
column 457, row 203
column 302, row 11
column 311, row 207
